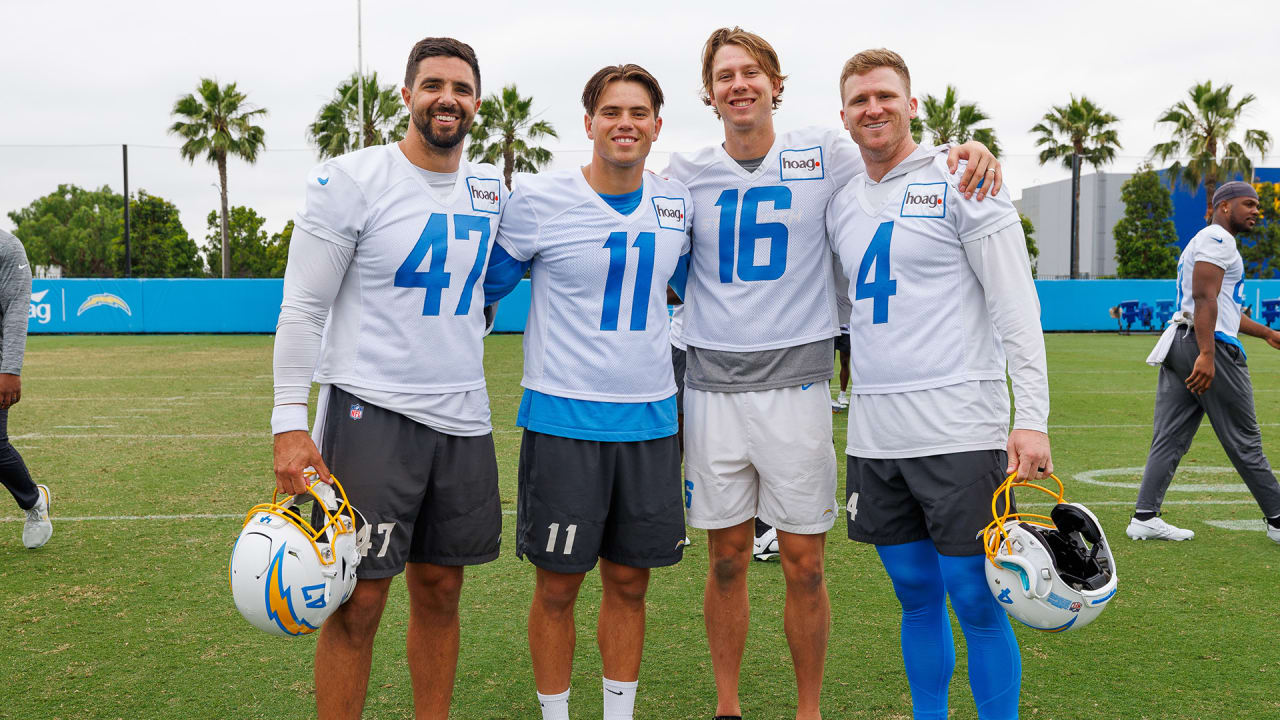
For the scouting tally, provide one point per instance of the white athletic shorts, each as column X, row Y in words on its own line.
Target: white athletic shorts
column 765, row 454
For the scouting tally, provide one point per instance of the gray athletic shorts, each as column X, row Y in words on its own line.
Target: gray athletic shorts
column 946, row 498
column 583, row 499
column 426, row 496
column 677, row 364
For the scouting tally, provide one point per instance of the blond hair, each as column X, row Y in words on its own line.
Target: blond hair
column 868, row 60
column 756, row 46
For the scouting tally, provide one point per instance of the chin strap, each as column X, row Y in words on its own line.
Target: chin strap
column 994, row 536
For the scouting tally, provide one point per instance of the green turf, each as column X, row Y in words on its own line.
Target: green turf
column 133, row 619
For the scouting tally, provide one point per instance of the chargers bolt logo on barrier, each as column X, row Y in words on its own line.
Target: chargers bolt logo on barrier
column 104, row 300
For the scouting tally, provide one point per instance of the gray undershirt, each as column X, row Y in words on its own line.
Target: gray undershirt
column 441, row 183
column 725, row 371
column 751, row 165
column 15, row 300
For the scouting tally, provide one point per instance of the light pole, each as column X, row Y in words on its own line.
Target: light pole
column 360, row 70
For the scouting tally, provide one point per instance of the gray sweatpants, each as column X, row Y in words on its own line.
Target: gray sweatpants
column 1229, row 404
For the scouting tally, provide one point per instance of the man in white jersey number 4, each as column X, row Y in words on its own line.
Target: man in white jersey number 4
column 760, row 323
column 392, row 246
column 943, row 305
column 1203, row 370
column 599, row 461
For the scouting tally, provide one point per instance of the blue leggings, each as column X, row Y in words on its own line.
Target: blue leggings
column 922, row 580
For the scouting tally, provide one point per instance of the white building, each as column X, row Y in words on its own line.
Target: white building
column 1049, row 207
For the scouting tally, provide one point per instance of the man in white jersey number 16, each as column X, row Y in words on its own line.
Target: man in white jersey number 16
column 942, row 306
column 1203, row 370
column 759, row 325
column 599, row 461
column 392, row 247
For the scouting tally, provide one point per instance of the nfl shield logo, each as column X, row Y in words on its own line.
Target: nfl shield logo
column 357, row 411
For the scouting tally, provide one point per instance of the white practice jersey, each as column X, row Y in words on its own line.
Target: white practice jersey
column 919, row 318
column 1217, row 246
column 677, row 327
column 597, row 327
column 760, row 276
column 408, row 317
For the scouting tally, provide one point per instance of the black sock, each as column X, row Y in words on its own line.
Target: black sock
column 1274, row 522
column 761, row 527
column 1143, row 515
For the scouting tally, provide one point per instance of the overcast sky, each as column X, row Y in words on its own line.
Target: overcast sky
column 96, row 75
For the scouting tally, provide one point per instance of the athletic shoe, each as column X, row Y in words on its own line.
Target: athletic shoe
column 843, row 399
column 837, row 408
column 1273, row 532
column 766, row 546
column 1156, row 529
column 38, row 528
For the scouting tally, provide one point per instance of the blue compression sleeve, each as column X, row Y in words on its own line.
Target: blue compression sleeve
column 503, row 274
column 680, row 277
column 995, row 664
column 928, row 651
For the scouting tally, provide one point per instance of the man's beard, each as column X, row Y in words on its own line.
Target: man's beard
column 445, row 140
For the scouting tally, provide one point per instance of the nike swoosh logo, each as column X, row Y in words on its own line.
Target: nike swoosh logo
column 22, row 266
column 615, row 692
column 1219, row 240
column 323, row 181
column 806, row 387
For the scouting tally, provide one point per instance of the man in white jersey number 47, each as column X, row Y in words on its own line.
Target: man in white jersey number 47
column 1203, row 370
column 759, row 325
column 391, row 247
column 943, row 305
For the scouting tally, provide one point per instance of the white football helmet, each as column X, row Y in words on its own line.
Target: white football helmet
column 1053, row 576
column 287, row 574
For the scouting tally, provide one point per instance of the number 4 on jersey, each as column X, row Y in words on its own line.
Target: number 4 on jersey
column 882, row 287
column 434, row 240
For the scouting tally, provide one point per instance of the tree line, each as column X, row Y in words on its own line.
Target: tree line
column 81, row 230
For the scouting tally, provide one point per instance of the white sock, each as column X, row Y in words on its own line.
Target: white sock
column 619, row 699
column 554, row 707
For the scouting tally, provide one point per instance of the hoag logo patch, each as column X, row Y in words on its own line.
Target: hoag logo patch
column 803, row 164
column 925, row 200
column 486, row 194
column 670, row 213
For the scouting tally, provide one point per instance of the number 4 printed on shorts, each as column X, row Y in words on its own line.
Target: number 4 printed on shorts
column 570, row 531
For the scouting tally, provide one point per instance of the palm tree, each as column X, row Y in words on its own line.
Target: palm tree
column 217, row 123
column 338, row 127
column 505, row 130
column 1202, row 130
column 1076, row 133
column 950, row 121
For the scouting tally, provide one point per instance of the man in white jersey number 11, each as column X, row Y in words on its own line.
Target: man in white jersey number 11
column 383, row 305
column 599, row 478
column 759, row 325
column 1203, row 370
column 943, row 305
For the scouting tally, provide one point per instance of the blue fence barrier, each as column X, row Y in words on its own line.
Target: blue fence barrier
column 252, row 306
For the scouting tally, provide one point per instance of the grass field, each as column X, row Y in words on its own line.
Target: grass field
column 132, row 619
